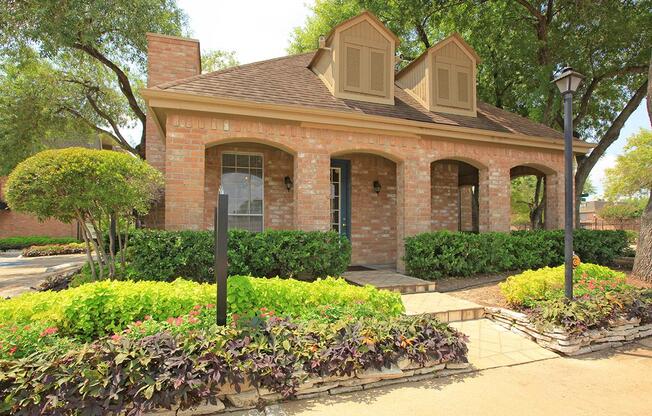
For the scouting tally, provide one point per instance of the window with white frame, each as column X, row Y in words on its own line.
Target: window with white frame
column 242, row 181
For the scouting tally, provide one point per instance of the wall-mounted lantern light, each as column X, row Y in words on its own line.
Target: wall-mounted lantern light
column 377, row 187
column 288, row 183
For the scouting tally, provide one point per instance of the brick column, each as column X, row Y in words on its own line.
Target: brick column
column 184, row 182
column 554, row 202
column 495, row 192
column 312, row 191
column 413, row 203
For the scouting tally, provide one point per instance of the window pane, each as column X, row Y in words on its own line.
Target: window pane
column 228, row 159
column 256, row 224
column 256, row 161
column 242, row 160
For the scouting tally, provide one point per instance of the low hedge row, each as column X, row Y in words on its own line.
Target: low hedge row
column 132, row 374
column 166, row 255
column 54, row 249
column 101, row 308
column 19, row 243
column 444, row 253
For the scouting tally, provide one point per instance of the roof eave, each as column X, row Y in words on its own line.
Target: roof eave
column 157, row 98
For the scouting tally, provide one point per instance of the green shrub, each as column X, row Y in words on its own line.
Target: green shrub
column 105, row 307
column 54, row 249
column 444, row 253
column 19, row 243
column 166, row 255
column 133, row 375
column 533, row 286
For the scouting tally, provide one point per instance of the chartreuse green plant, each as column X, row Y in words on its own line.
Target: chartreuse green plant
column 92, row 187
column 54, row 249
column 444, row 253
column 529, row 288
column 101, row 308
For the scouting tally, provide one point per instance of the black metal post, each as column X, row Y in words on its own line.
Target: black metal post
column 221, row 263
column 568, row 195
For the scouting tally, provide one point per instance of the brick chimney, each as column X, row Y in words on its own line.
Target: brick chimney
column 169, row 58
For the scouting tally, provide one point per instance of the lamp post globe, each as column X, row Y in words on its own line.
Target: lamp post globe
column 568, row 81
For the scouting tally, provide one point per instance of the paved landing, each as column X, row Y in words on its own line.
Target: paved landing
column 389, row 280
column 445, row 307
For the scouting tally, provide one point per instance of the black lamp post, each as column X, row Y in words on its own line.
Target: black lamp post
column 221, row 263
column 567, row 82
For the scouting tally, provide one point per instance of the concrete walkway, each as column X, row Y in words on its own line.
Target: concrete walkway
column 19, row 274
column 445, row 307
column 603, row 383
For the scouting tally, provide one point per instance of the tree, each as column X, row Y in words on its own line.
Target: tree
column 632, row 177
column 622, row 212
column 88, row 41
column 215, row 60
column 522, row 43
column 527, row 201
column 92, row 187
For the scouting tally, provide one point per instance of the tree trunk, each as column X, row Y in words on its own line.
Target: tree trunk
column 643, row 261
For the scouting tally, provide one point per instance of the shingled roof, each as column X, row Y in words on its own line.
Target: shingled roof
column 289, row 81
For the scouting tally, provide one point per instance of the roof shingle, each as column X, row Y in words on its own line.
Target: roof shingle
column 289, row 81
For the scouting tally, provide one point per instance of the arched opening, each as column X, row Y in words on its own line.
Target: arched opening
column 529, row 196
column 259, row 180
column 455, row 194
column 363, row 205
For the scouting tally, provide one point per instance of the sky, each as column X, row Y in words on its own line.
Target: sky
column 260, row 29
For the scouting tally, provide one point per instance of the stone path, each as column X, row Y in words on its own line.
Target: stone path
column 602, row 383
column 18, row 274
column 390, row 280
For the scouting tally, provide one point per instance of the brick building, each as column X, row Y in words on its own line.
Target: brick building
column 335, row 139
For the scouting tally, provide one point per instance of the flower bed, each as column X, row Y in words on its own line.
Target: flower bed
column 181, row 363
column 54, row 249
column 19, row 243
column 102, row 308
column 606, row 312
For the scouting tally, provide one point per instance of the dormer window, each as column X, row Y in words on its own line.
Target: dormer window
column 356, row 60
column 443, row 79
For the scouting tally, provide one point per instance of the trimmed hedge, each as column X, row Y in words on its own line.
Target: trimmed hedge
column 166, row 255
column 19, row 243
column 444, row 253
column 105, row 307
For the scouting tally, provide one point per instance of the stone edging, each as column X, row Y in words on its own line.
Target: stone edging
column 619, row 332
column 250, row 397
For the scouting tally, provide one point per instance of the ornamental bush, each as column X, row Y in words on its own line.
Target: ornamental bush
column 166, row 255
column 444, row 253
column 19, row 243
column 54, row 249
column 531, row 287
column 130, row 373
column 101, row 308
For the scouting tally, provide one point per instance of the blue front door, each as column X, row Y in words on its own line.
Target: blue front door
column 341, row 196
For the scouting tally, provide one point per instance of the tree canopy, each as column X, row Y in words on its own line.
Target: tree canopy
column 632, row 174
column 89, row 186
column 215, row 60
column 98, row 48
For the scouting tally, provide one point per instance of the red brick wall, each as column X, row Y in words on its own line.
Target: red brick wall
column 13, row 224
column 373, row 216
column 444, row 191
column 466, row 207
column 189, row 134
column 278, row 206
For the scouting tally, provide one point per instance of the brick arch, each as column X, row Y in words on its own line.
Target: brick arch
column 553, row 195
column 262, row 140
column 394, row 157
column 470, row 161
